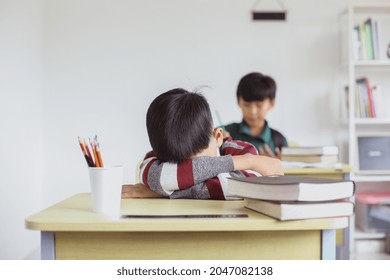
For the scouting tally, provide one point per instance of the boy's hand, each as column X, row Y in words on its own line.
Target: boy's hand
column 138, row 191
column 265, row 165
column 266, row 151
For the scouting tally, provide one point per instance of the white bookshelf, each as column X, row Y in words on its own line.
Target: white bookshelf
column 378, row 70
column 356, row 13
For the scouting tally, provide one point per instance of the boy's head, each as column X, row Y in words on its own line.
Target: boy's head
column 256, row 96
column 180, row 126
column 256, row 87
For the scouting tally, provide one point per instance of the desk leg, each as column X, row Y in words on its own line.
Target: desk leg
column 328, row 244
column 347, row 234
column 342, row 252
column 47, row 245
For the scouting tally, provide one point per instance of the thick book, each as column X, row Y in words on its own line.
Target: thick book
column 301, row 210
column 291, row 188
column 310, row 150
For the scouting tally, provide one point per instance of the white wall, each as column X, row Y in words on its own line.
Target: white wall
column 21, row 125
column 104, row 62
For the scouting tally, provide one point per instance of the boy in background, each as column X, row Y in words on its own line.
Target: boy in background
column 190, row 159
column 256, row 97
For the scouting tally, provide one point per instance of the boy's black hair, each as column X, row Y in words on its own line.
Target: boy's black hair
column 256, row 87
column 179, row 125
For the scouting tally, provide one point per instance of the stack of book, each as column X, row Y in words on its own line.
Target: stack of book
column 311, row 154
column 295, row 197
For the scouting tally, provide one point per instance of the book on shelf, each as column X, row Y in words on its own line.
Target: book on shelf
column 375, row 39
column 291, row 188
column 364, row 95
column 368, row 99
column 284, row 211
column 310, row 150
column 378, row 39
column 363, row 54
column 311, row 158
column 366, row 40
column 368, row 37
column 357, row 45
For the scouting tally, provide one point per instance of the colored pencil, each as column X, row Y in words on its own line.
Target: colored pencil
column 89, row 153
column 89, row 161
column 94, row 152
column 98, row 153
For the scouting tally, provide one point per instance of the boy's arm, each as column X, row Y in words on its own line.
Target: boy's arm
column 214, row 188
column 245, row 157
column 165, row 177
column 264, row 165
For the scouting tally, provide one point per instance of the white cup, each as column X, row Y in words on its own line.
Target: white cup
column 106, row 189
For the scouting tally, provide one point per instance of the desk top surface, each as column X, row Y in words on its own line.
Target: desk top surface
column 75, row 214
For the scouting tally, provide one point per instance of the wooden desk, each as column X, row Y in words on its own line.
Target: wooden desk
column 342, row 236
column 70, row 230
